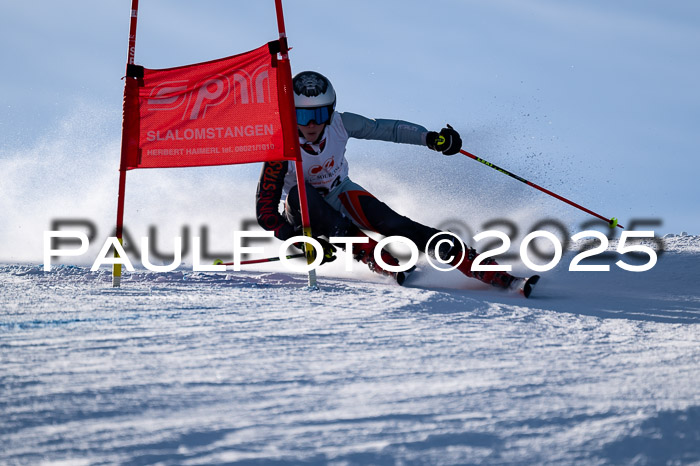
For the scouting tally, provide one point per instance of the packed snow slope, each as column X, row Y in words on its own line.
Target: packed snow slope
column 254, row 368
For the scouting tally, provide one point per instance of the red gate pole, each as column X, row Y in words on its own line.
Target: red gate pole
column 291, row 119
column 117, row 268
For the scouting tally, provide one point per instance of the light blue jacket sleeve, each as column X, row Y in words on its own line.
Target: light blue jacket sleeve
column 360, row 127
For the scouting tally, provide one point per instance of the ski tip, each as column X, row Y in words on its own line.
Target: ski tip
column 529, row 285
column 400, row 278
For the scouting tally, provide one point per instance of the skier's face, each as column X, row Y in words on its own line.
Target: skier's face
column 312, row 131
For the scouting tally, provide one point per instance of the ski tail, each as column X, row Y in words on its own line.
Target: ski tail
column 401, row 277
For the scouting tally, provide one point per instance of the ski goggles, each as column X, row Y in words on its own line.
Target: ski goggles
column 320, row 115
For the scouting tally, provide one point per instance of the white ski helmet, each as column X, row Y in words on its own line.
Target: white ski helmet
column 314, row 97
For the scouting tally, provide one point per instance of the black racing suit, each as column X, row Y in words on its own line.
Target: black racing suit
column 339, row 207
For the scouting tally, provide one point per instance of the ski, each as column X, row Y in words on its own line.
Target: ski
column 401, row 277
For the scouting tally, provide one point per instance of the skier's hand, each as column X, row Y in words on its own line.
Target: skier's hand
column 328, row 250
column 447, row 141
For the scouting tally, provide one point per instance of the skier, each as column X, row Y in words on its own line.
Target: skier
column 337, row 205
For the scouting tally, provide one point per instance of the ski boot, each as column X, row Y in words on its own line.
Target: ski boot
column 364, row 252
column 464, row 265
column 495, row 278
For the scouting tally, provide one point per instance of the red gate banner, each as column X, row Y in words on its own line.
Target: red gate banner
column 221, row 112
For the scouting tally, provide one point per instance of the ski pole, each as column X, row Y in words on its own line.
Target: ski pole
column 259, row 261
column 611, row 221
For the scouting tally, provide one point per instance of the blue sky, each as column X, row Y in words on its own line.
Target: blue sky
column 595, row 100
